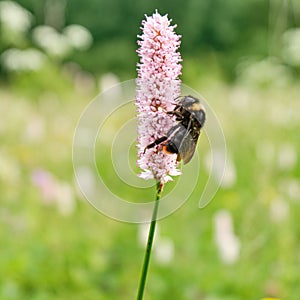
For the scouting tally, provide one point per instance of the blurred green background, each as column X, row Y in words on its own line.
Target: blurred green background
column 244, row 58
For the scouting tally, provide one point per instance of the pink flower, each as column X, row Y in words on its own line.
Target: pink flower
column 157, row 87
column 46, row 183
column 54, row 192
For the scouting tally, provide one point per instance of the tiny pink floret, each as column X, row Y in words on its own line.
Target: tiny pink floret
column 157, row 87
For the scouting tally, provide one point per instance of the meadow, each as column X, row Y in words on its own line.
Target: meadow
column 55, row 245
column 55, row 58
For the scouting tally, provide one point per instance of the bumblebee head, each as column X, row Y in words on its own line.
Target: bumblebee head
column 200, row 116
column 193, row 105
column 187, row 101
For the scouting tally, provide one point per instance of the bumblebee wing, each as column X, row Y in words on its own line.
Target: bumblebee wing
column 187, row 148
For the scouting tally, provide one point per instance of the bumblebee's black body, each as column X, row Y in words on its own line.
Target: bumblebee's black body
column 182, row 138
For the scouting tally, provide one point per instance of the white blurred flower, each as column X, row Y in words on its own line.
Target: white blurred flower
column 226, row 175
column 78, row 36
column 164, row 251
column 283, row 115
column 291, row 187
column 287, row 157
column 291, row 46
column 87, row 180
column 279, row 210
column 51, row 41
column 22, row 60
column 163, row 248
column 240, row 98
column 227, row 242
column 229, row 177
column 35, row 129
column 264, row 73
column 108, row 81
column 64, row 199
column 84, row 82
column 15, row 17
column 143, row 231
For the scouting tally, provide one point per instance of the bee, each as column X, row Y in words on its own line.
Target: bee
column 182, row 138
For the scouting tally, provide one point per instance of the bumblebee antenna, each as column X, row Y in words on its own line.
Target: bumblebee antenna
column 174, row 103
column 178, row 97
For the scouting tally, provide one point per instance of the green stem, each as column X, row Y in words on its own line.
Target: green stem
column 159, row 188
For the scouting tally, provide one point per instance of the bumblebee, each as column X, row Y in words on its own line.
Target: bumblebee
column 182, row 138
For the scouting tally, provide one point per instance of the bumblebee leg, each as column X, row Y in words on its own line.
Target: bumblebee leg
column 189, row 125
column 156, row 142
column 178, row 115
